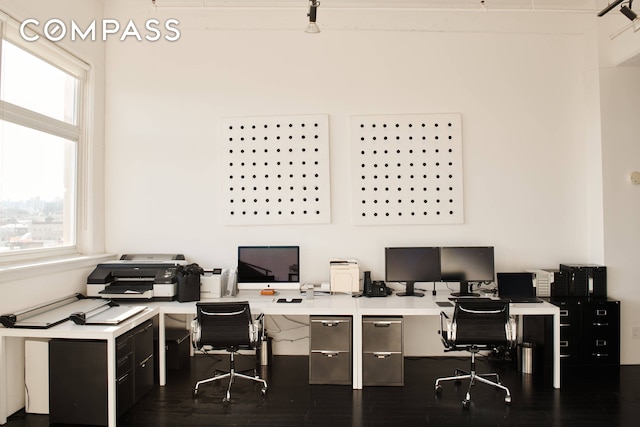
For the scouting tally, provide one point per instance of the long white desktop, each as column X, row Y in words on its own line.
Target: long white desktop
column 337, row 304
column 346, row 305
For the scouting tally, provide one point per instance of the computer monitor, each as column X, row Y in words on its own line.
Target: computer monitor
column 276, row 267
column 410, row 265
column 465, row 265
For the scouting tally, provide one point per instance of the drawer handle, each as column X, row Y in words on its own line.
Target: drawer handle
column 600, row 324
column 381, row 324
column 382, row 355
column 330, row 323
column 601, row 343
column 330, row 353
column 565, row 324
column 564, row 355
column 601, row 312
column 122, row 378
column 600, row 354
column 145, row 361
column 564, row 343
column 564, row 313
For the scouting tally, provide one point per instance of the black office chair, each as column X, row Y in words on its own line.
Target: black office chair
column 476, row 326
column 227, row 326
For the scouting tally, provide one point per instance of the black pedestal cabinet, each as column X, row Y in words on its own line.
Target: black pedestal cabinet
column 589, row 333
column 78, row 376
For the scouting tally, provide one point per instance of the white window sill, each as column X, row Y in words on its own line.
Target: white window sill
column 18, row 271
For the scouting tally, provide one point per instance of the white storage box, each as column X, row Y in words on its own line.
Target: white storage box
column 345, row 276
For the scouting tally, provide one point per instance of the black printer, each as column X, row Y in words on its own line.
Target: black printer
column 136, row 276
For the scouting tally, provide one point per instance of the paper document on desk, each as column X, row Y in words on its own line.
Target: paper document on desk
column 114, row 315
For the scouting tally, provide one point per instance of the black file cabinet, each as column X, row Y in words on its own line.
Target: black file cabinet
column 382, row 356
column 589, row 331
column 78, row 376
column 330, row 352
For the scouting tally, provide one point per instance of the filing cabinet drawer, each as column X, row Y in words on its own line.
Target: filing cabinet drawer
column 330, row 367
column 144, row 377
column 124, row 364
column 124, row 345
column 143, row 340
column 600, row 351
column 124, row 392
column 330, row 333
column 382, row 334
column 382, row 369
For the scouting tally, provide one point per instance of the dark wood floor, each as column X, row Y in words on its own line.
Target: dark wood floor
column 587, row 398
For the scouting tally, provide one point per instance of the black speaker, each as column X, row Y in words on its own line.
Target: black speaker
column 598, row 281
column 560, row 285
column 367, row 279
column 586, row 280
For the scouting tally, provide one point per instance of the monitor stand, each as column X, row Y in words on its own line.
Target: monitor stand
column 410, row 291
column 465, row 291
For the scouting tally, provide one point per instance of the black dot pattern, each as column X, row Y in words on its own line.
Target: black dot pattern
column 407, row 169
column 276, row 170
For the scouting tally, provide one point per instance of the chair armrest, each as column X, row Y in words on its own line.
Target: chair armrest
column 512, row 331
column 195, row 333
column 445, row 330
column 256, row 330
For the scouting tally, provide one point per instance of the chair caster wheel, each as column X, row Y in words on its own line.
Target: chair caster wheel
column 195, row 392
column 438, row 389
column 263, row 391
column 507, row 399
column 466, row 404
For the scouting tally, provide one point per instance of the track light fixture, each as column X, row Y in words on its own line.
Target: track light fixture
column 312, row 28
column 625, row 9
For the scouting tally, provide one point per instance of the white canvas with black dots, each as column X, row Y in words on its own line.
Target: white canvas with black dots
column 407, row 169
column 276, row 170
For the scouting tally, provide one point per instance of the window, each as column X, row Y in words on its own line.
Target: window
column 42, row 137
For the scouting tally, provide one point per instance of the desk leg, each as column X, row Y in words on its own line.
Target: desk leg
column 111, row 381
column 556, row 349
column 357, row 351
column 162, row 355
column 3, row 381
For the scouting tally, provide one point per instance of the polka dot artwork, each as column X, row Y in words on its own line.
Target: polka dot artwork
column 276, row 170
column 407, row 169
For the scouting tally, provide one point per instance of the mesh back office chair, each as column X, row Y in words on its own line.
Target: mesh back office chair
column 477, row 325
column 226, row 326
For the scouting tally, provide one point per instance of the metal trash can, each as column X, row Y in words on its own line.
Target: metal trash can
column 525, row 356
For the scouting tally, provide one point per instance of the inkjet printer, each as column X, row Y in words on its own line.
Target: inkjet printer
column 137, row 276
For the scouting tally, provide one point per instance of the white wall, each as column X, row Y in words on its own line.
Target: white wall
column 519, row 80
column 621, row 155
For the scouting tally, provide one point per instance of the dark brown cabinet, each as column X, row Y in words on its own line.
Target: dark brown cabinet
column 589, row 331
column 78, row 376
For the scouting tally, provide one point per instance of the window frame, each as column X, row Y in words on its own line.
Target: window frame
column 79, row 133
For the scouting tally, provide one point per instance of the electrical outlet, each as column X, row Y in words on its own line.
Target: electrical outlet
column 635, row 332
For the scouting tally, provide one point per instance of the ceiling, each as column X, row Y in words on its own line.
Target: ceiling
column 569, row 5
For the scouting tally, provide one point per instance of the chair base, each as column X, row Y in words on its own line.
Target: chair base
column 231, row 375
column 472, row 376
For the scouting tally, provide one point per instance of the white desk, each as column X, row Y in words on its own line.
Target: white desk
column 345, row 305
column 70, row 330
column 339, row 305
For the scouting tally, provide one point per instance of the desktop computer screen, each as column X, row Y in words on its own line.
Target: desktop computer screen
column 410, row 265
column 465, row 265
column 276, row 267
